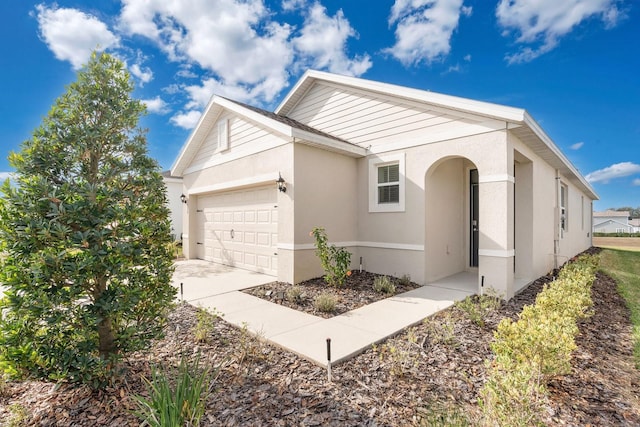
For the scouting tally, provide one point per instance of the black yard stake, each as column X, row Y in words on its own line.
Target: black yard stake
column 329, row 359
column 181, row 292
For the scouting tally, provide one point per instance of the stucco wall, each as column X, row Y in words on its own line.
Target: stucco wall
column 174, row 190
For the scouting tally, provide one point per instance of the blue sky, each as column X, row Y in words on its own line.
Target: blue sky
column 573, row 64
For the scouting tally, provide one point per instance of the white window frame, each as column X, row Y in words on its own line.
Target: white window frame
column 564, row 207
column 374, row 164
column 223, row 135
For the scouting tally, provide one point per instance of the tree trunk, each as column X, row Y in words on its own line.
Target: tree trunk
column 106, row 336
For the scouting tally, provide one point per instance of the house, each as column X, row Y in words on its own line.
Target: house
column 612, row 222
column 174, row 203
column 635, row 223
column 409, row 181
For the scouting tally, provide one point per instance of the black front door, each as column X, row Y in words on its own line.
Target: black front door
column 474, row 211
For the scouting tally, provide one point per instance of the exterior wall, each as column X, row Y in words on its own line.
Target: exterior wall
column 259, row 168
column 174, row 190
column 324, row 192
column 611, row 225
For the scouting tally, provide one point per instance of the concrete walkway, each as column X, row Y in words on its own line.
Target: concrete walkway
column 218, row 287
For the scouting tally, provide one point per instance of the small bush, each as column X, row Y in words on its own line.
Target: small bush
column 205, row 325
column 181, row 405
column 384, row 285
column 405, row 280
column 536, row 348
column 400, row 356
column 446, row 414
column 294, row 294
column 252, row 346
column 477, row 307
column 325, row 302
column 441, row 330
column 335, row 261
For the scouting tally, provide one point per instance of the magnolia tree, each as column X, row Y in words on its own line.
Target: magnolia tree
column 85, row 236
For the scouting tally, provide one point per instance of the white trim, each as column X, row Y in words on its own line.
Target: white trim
column 185, row 236
column 246, row 182
column 379, row 245
column 374, row 163
column 483, row 179
column 497, row 253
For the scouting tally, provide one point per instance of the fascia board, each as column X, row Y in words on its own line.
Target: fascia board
column 179, row 164
column 255, row 117
column 329, row 143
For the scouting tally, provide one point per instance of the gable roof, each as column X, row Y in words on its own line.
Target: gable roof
column 518, row 120
column 285, row 126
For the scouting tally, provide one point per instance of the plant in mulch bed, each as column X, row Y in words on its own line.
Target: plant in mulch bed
column 384, row 285
column 180, row 405
column 294, row 294
column 477, row 307
column 325, row 302
column 335, row 261
column 206, row 322
column 537, row 348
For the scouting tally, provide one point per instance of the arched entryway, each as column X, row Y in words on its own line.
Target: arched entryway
column 452, row 220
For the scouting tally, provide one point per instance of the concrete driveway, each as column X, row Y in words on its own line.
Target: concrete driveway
column 202, row 279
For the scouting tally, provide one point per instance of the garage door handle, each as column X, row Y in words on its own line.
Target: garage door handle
column 233, row 234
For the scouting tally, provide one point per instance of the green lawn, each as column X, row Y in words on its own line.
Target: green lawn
column 624, row 266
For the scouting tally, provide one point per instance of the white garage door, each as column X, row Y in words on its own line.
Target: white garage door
column 240, row 228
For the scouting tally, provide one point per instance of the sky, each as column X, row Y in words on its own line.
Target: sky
column 574, row 65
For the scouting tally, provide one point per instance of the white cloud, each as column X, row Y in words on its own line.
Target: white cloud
column 577, row 146
column 235, row 40
column 542, row 23
column 5, row 175
column 467, row 57
column 636, row 182
column 617, row 170
column 424, row 29
column 144, row 75
column 323, row 40
column 156, row 105
column 187, row 120
column 290, row 5
column 71, row 34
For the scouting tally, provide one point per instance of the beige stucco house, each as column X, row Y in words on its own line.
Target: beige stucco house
column 410, row 181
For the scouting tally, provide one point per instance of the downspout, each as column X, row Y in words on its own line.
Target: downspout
column 556, row 223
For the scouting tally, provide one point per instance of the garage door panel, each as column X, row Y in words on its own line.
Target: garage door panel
column 242, row 228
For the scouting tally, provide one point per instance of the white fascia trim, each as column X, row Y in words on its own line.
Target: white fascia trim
column 496, row 178
column 246, row 182
column 178, row 167
column 329, row 143
column 497, row 253
column 256, row 117
column 379, row 245
column 172, row 179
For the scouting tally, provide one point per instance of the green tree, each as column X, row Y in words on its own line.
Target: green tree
column 85, row 236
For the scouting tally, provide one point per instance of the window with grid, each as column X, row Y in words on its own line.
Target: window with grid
column 389, row 183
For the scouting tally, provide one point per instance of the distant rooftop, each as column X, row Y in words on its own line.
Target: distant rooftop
column 620, row 214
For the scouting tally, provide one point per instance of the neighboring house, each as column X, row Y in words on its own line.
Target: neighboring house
column 635, row 223
column 612, row 222
column 174, row 202
column 410, row 181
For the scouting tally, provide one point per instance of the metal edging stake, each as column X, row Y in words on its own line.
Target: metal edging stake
column 329, row 359
column 181, row 292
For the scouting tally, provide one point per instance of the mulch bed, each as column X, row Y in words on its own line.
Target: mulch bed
column 436, row 364
column 355, row 293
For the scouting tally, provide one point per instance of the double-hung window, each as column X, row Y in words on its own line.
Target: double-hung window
column 389, row 183
column 386, row 183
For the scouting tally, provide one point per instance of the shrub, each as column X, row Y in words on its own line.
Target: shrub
column 477, row 307
column 443, row 414
column 294, row 294
column 180, row 405
column 399, row 355
column 206, row 322
column 537, row 347
column 325, row 302
column 405, row 280
column 384, row 285
column 335, row 261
